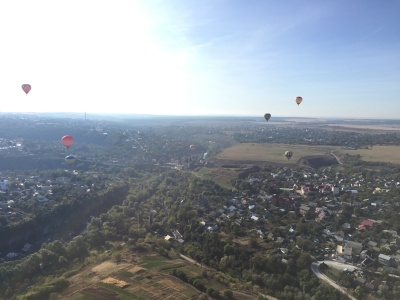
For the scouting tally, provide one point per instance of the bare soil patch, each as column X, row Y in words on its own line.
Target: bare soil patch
column 119, row 283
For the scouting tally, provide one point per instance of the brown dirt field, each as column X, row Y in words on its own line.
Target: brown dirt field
column 130, row 280
column 136, row 269
column 119, row 283
column 108, row 267
column 152, row 285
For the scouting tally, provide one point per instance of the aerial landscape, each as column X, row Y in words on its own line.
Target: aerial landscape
column 198, row 208
column 184, row 149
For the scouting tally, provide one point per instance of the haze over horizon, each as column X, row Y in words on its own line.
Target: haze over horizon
column 191, row 58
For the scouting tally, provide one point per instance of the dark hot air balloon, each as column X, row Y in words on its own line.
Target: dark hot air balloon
column 288, row 154
column 267, row 116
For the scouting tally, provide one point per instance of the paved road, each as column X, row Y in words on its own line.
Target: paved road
column 315, row 269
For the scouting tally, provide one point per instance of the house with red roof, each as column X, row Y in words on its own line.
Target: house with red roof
column 365, row 224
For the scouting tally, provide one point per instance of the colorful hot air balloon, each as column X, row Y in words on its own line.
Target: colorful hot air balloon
column 298, row 100
column 67, row 140
column 192, row 147
column 26, row 88
column 267, row 116
column 288, row 154
column 70, row 159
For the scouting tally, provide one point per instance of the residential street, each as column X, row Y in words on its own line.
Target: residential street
column 315, row 269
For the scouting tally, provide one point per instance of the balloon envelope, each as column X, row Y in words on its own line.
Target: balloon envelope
column 67, row 140
column 288, row 154
column 26, row 88
column 70, row 159
column 192, row 147
column 298, row 100
column 267, row 116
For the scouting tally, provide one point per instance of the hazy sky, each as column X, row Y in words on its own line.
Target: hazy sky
column 202, row 57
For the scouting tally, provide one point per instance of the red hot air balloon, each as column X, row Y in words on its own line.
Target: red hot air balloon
column 67, row 140
column 26, row 88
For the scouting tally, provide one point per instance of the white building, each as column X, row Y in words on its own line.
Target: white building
column 4, row 183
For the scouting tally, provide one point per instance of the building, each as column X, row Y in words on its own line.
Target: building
column 4, row 184
column 385, row 260
column 304, row 209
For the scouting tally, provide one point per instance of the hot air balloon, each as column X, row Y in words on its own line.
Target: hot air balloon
column 67, row 140
column 26, row 88
column 267, row 116
column 288, row 154
column 192, row 147
column 298, row 100
column 70, row 159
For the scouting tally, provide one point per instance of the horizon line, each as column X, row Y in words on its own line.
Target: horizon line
column 194, row 116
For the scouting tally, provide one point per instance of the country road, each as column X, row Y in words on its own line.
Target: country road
column 337, row 159
column 315, row 269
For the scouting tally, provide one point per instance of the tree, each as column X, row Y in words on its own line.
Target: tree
column 304, row 261
column 358, row 291
column 228, row 294
column 253, row 242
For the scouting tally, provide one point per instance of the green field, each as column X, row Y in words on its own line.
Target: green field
column 272, row 152
column 275, row 153
column 221, row 176
column 388, row 154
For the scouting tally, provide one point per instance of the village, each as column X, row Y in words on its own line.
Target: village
column 299, row 198
column 324, row 216
column 22, row 195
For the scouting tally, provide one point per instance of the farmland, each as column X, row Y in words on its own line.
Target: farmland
column 387, row 154
column 147, row 277
column 275, row 153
